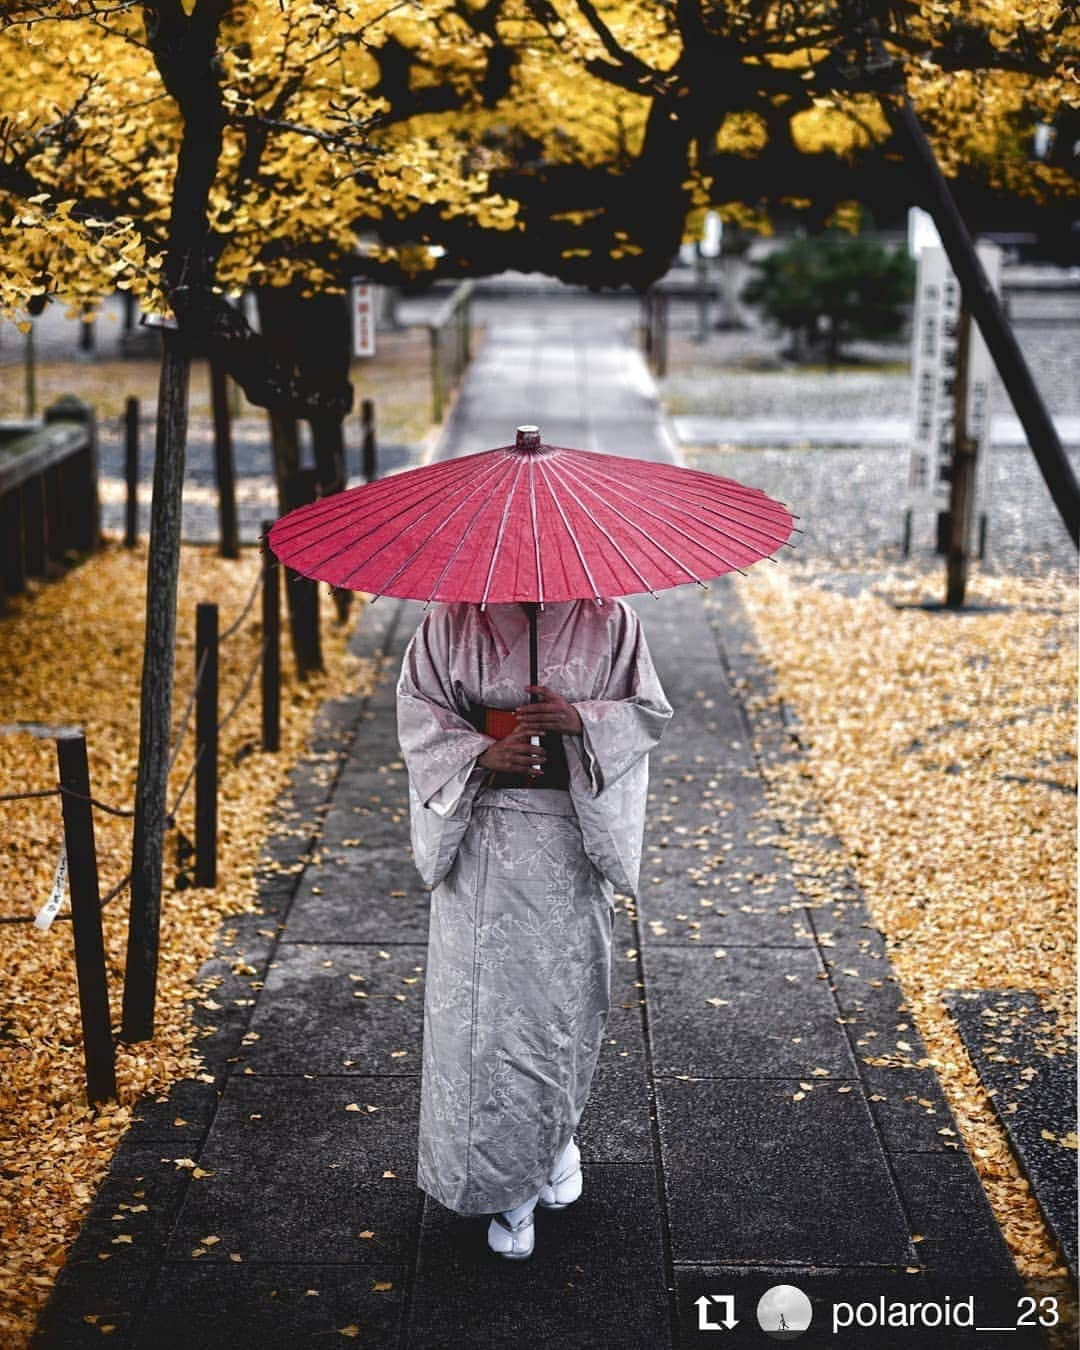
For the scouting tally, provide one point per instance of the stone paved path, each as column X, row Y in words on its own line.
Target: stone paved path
column 704, row 1176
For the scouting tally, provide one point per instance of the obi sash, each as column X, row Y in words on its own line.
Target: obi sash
column 500, row 722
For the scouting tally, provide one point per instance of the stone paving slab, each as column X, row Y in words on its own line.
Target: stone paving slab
column 296, row 1176
column 752, row 1175
column 339, row 1008
column 776, row 1018
column 577, row 1292
column 274, row 1306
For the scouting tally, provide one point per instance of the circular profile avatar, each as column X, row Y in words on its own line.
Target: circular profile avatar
column 784, row 1312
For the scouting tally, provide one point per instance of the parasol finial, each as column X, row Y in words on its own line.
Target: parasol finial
column 528, row 440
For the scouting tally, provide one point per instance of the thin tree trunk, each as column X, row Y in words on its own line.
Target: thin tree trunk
column 325, row 355
column 223, row 461
column 155, row 713
column 279, row 321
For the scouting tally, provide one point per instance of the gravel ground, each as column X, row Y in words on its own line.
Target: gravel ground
column 849, row 506
column 728, row 374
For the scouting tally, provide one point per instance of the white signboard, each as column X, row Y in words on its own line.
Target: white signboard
column 933, row 368
column 363, row 308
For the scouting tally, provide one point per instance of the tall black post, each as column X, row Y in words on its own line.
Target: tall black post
column 131, row 472
column 86, row 916
column 206, row 744
column 271, row 627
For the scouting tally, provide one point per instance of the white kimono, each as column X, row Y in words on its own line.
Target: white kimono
column 519, row 948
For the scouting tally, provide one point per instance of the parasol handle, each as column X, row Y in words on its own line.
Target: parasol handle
column 534, row 677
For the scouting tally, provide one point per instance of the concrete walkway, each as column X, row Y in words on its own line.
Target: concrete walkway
column 736, row 1139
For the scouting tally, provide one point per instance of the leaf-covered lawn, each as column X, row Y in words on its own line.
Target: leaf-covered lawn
column 72, row 653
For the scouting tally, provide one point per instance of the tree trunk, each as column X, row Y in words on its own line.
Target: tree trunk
column 279, row 324
column 155, row 712
column 325, row 356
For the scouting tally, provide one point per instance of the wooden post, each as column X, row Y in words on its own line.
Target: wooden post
column 30, row 372
column 436, row 374
column 86, row 332
column 962, row 479
column 368, row 446
column 661, row 333
column 90, row 970
column 206, row 744
column 155, row 712
column 131, row 472
column 701, row 293
column 223, row 461
column 271, row 628
column 304, row 609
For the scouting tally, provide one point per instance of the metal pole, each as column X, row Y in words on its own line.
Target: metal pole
column 271, row 627
column 98, row 1048
column 131, row 472
column 206, row 745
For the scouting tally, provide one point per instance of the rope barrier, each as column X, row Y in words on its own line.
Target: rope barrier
column 247, row 684
column 170, row 817
column 22, row 796
column 66, row 918
column 244, row 612
column 187, row 711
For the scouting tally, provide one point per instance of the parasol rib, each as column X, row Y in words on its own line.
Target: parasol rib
column 570, row 533
column 671, row 525
column 338, row 505
column 618, row 547
column 459, row 545
column 437, row 530
column 502, row 530
column 737, row 538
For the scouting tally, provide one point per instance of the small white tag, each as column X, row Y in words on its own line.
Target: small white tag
column 47, row 912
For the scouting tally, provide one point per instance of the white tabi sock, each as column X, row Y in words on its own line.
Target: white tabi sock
column 563, row 1160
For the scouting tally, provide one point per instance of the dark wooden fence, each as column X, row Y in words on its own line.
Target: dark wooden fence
column 50, row 512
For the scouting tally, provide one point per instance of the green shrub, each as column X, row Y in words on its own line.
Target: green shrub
column 829, row 289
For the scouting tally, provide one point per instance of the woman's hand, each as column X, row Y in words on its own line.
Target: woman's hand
column 514, row 754
column 552, row 713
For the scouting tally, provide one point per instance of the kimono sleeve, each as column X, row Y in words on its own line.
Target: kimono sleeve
column 609, row 764
column 621, row 727
column 439, row 748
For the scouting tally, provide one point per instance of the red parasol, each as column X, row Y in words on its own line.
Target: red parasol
column 532, row 522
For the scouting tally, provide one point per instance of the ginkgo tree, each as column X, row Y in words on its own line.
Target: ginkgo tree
column 182, row 150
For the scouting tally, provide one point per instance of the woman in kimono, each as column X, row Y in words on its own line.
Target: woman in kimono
column 524, row 846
